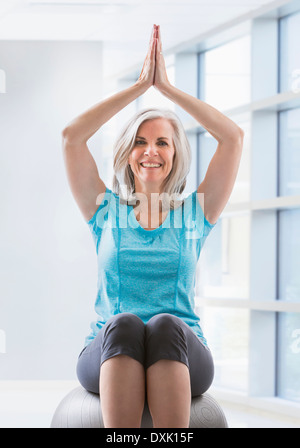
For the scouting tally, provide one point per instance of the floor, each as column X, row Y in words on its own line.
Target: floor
column 32, row 405
column 240, row 417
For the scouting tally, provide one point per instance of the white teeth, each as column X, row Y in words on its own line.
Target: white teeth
column 150, row 165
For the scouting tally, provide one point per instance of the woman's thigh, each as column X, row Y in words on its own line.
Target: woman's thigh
column 164, row 337
column 201, row 364
column 123, row 334
column 169, row 337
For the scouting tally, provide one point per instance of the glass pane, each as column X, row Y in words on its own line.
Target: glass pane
column 227, row 334
column 289, row 153
column 208, row 146
column 223, row 268
column 227, row 71
column 289, row 53
column 288, row 356
column 289, row 256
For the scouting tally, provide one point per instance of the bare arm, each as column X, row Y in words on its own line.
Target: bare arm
column 87, row 187
column 222, row 171
column 81, row 129
column 85, row 183
column 217, row 124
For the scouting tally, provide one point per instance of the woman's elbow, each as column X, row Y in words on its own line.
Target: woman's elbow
column 234, row 137
column 65, row 134
column 239, row 137
column 68, row 136
column 241, row 133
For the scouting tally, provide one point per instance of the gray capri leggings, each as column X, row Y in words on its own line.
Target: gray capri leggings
column 163, row 337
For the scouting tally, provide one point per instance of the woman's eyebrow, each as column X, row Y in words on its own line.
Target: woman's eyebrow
column 159, row 138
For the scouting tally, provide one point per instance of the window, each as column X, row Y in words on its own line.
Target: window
column 223, row 269
column 289, row 53
column 288, row 282
column 288, row 356
column 289, row 152
column 288, row 324
column 225, row 77
column 207, row 146
column 227, row 334
column 224, row 261
column 289, row 255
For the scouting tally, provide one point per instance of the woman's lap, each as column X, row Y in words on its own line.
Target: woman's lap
column 163, row 337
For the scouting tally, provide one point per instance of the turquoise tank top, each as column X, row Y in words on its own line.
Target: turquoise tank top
column 147, row 272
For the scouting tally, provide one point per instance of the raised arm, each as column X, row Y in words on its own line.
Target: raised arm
column 222, row 171
column 82, row 172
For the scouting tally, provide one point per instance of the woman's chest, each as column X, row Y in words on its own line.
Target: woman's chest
column 130, row 252
column 150, row 221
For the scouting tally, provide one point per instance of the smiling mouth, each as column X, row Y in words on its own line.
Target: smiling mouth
column 151, row 166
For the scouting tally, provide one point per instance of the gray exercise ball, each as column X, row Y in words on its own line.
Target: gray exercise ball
column 82, row 409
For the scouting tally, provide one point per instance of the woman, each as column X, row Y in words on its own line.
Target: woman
column 147, row 342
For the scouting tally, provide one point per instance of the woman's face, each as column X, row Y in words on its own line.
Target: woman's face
column 153, row 144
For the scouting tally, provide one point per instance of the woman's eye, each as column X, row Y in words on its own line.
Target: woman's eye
column 161, row 143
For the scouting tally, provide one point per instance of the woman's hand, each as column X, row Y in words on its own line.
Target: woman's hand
column 160, row 77
column 146, row 78
column 154, row 71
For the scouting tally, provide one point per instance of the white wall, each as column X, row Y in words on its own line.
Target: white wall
column 47, row 256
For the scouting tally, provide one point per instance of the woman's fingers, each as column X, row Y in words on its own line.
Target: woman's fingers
column 159, row 46
column 160, row 76
column 148, row 70
column 157, row 38
column 154, row 47
column 158, row 33
column 151, row 49
column 151, row 45
column 153, row 36
column 154, row 32
column 147, row 75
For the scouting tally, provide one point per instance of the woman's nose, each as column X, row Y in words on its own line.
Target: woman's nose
column 151, row 150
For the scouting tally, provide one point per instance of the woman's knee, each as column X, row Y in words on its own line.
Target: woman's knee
column 165, row 339
column 162, row 325
column 125, row 329
column 125, row 322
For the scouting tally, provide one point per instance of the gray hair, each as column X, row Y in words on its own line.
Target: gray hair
column 175, row 182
